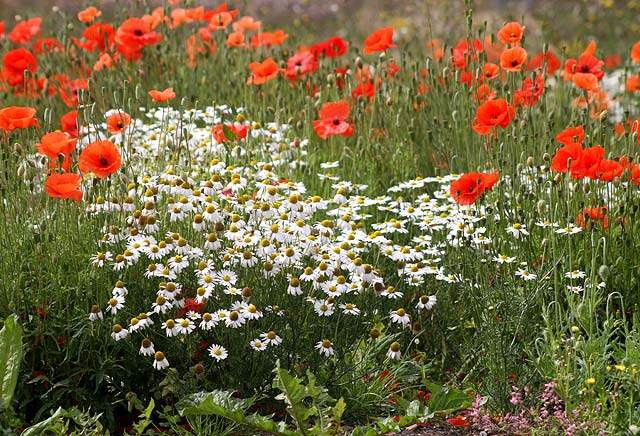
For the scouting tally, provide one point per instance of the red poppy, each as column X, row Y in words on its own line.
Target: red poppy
column 560, row 161
column 56, row 144
column 226, row 132
column 530, row 92
column 24, row 31
column 69, row 123
column 17, row 117
column 331, row 48
column 64, row 186
column 612, row 61
column 538, row 62
column 635, row 53
column 333, row 120
column 16, row 62
column 585, row 64
column 459, row 421
column 300, row 64
column 492, row 114
column 263, row 71
column 490, row 71
column 593, row 214
column 134, row 33
column 246, row 23
column 633, row 83
column 483, row 93
column 469, row 187
column 571, row 135
column 586, row 81
column 588, row 162
column 513, row 58
column 464, row 52
column 89, row 14
column 511, row 33
column 160, row 96
column 605, row 170
column 380, row 40
column 235, row 39
column 69, row 89
column 1, row 30
column 367, row 89
column 98, row 35
column 47, row 46
column 117, row 122
column 100, row 157
column 268, row 38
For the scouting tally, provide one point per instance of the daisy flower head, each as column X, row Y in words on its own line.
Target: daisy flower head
column 218, row 352
column 394, row 351
column 427, row 302
column 147, row 348
column 570, row 229
column 270, row 338
column 400, row 316
column 116, row 303
column 95, row 314
column 525, row 274
column 234, row 320
column 258, row 345
column 118, row 332
column 99, row 259
column 208, row 321
column 517, row 230
column 325, row 347
column 184, row 326
column 170, row 328
column 503, row 258
column 323, row 307
column 160, row 361
column 576, row 274
column 350, row 309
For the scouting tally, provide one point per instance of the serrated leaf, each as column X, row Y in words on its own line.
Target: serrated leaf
column 364, row 430
column 336, row 415
column 268, row 424
column 10, row 358
column 220, row 403
column 293, row 394
column 39, row 428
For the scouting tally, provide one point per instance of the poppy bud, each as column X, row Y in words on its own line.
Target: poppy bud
column 359, row 62
column 603, row 272
column 530, row 162
column 546, row 157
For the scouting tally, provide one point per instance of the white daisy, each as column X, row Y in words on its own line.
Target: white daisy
column 394, row 351
column 325, row 347
column 258, row 345
column 218, row 352
column 400, row 316
column 159, row 361
column 271, row 338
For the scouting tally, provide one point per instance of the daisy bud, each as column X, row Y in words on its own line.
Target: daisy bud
column 374, row 333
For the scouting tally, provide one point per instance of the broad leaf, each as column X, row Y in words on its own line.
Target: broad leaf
column 10, row 357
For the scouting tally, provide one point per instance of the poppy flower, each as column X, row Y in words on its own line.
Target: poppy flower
column 491, row 114
column 1, row 30
column 511, row 33
column 229, row 132
column 635, row 52
column 235, row 39
column 220, row 20
column 331, row 48
column 513, row 58
column 490, row 71
column 17, row 117
column 464, row 52
column 56, row 144
column 584, row 64
column 605, row 170
column 160, row 96
column 560, row 161
column 530, row 92
column 246, row 23
column 380, row 40
column 16, row 62
column 104, row 61
column 571, row 135
column 612, row 61
column 263, row 71
column 300, row 64
column 100, row 157
column 470, row 186
column 98, row 35
column 47, row 46
column 633, row 83
column 587, row 163
column 117, row 122
column 483, row 93
column 134, row 33
column 586, row 81
column 593, row 214
column 459, row 421
column 268, row 38
column 333, row 120
column 89, row 14
column 25, row 31
column 538, row 62
column 64, row 186
column 69, row 123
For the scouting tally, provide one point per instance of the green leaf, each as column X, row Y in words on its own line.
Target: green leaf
column 447, row 399
column 220, row 403
column 293, row 394
column 336, row 416
column 10, row 358
column 364, row 430
column 39, row 428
